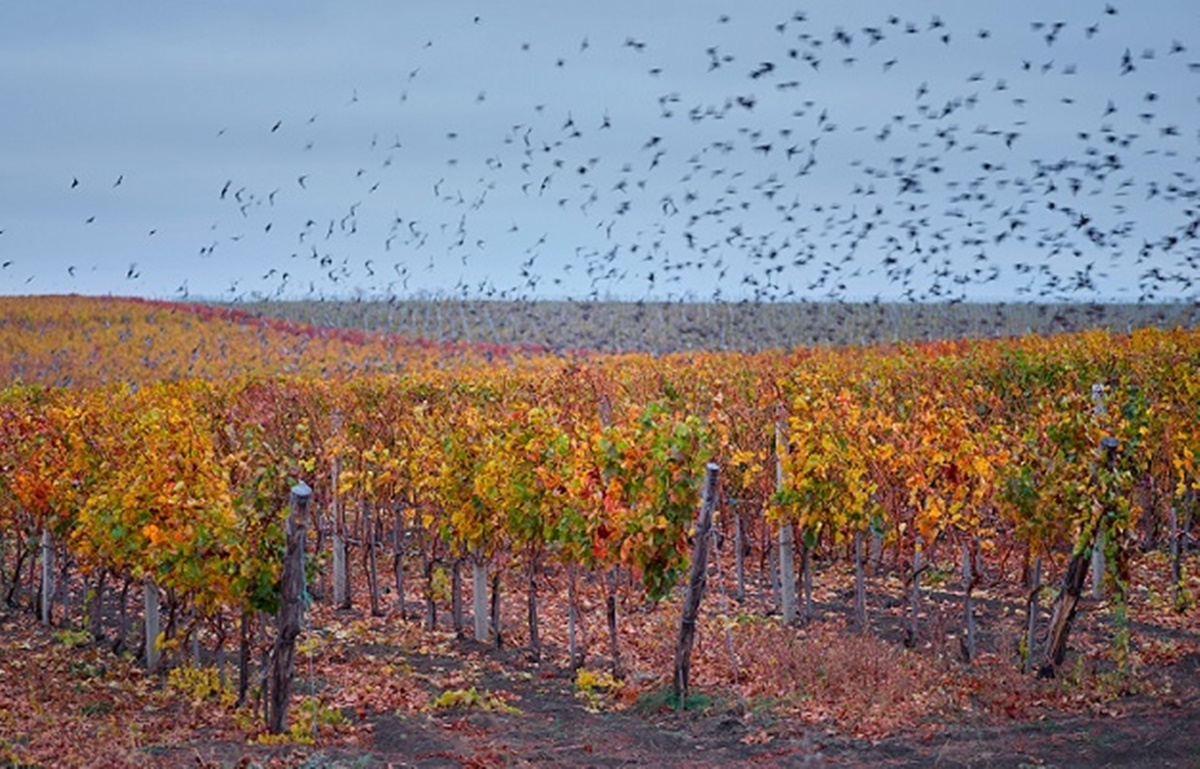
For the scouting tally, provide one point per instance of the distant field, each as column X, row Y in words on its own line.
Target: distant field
column 668, row 327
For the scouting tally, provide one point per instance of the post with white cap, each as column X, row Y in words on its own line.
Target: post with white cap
column 291, row 610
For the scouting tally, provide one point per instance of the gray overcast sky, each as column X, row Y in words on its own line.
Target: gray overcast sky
column 986, row 150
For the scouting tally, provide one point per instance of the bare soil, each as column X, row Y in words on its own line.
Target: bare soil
column 556, row 728
column 66, row 704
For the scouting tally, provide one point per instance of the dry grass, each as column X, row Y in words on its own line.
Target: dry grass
column 860, row 684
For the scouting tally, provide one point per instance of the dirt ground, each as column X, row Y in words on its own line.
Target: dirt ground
column 544, row 721
column 63, row 703
column 553, row 726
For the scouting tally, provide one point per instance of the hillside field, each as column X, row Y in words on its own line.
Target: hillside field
column 659, row 327
column 503, row 514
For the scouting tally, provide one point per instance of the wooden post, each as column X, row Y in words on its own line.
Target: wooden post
column 456, row 598
column 860, row 587
column 193, row 634
column 430, row 604
column 291, row 611
column 610, row 612
column 96, row 605
column 47, row 612
column 341, row 581
column 1176, row 564
column 1098, row 566
column 915, row 595
column 739, row 555
column 497, row 636
column 1031, row 613
column 876, row 556
column 244, row 657
column 968, row 648
column 122, row 616
column 535, row 642
column 572, row 619
column 767, row 575
column 695, row 589
column 151, row 597
column 1067, row 601
column 64, row 579
column 1064, row 614
column 371, row 529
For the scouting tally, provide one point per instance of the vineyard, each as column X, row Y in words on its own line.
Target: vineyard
column 1016, row 510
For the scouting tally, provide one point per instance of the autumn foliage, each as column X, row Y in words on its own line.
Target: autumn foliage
column 160, row 441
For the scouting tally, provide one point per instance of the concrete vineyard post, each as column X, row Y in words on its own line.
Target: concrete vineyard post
column 341, row 578
column 47, row 602
column 787, row 539
column 479, row 598
column 1100, row 408
column 398, row 563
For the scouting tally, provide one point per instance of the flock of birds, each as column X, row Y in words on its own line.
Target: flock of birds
column 817, row 164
